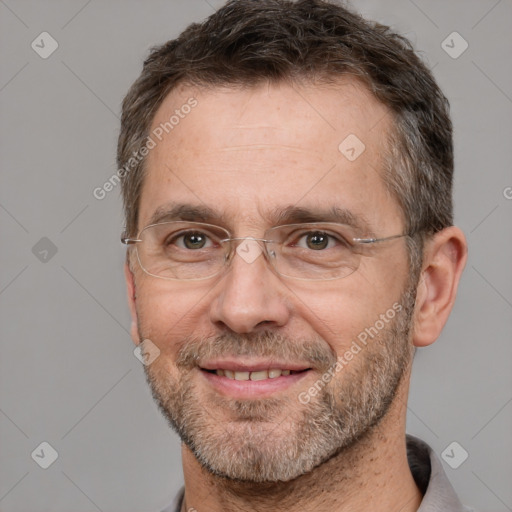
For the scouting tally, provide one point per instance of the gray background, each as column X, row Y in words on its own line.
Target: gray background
column 68, row 375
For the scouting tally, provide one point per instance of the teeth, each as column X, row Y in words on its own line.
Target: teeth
column 259, row 375
column 263, row 374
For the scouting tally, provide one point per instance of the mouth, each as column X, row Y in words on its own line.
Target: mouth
column 246, row 380
column 257, row 375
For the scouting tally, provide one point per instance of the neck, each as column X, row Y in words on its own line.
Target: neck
column 372, row 474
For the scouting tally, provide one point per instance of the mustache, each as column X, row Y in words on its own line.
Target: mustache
column 266, row 344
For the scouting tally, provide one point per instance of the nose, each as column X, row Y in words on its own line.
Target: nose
column 249, row 296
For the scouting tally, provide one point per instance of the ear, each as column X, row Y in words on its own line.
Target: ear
column 444, row 259
column 132, row 297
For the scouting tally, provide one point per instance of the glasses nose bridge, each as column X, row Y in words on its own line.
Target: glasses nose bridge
column 235, row 242
column 240, row 238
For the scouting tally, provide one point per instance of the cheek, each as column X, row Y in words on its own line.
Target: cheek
column 341, row 310
column 168, row 313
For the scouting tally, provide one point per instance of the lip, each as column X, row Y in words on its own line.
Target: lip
column 252, row 388
column 252, row 366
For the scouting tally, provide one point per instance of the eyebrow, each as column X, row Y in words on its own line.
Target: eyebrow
column 277, row 216
column 188, row 212
column 297, row 215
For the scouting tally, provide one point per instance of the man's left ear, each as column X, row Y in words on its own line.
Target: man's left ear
column 444, row 259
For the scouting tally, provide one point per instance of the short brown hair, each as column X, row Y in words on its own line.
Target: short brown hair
column 248, row 42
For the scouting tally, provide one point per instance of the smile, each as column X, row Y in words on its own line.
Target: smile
column 247, row 384
column 255, row 375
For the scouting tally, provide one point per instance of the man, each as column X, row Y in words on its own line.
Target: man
column 287, row 173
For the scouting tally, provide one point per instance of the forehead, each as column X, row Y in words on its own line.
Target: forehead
column 249, row 151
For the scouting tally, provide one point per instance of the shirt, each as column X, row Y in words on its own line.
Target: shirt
column 428, row 473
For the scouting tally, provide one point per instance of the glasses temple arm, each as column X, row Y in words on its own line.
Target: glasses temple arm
column 129, row 241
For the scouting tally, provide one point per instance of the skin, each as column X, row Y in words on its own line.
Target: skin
column 245, row 152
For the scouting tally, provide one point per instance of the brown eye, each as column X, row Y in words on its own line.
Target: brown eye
column 192, row 240
column 317, row 241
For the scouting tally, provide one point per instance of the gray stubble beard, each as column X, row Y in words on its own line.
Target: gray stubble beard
column 239, row 440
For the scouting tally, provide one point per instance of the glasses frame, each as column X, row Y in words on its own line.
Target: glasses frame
column 357, row 241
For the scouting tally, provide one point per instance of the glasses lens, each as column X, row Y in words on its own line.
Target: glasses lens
column 314, row 251
column 182, row 250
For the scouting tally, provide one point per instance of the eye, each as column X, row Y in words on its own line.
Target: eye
column 317, row 241
column 190, row 240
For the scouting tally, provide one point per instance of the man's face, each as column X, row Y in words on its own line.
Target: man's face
column 248, row 155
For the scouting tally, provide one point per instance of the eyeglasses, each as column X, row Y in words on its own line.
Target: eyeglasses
column 181, row 250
